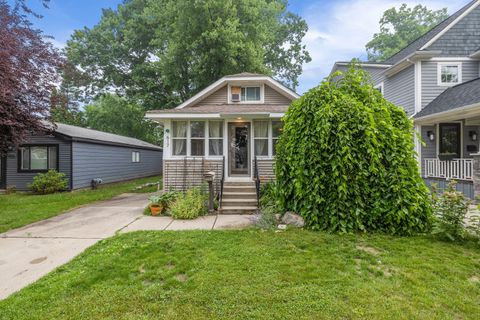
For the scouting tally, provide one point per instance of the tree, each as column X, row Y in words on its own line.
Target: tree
column 28, row 72
column 160, row 52
column 400, row 27
column 346, row 161
column 111, row 113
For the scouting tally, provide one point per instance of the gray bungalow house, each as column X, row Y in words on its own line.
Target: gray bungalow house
column 436, row 79
column 229, row 128
column 82, row 155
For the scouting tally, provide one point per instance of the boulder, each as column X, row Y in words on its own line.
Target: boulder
column 293, row 219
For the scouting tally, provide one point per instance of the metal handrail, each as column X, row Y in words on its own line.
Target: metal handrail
column 222, row 183
column 257, row 180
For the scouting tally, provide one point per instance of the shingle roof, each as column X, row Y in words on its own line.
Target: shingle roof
column 100, row 136
column 465, row 94
column 420, row 42
column 228, row 109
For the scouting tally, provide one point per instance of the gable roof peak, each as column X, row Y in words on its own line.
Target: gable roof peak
column 425, row 40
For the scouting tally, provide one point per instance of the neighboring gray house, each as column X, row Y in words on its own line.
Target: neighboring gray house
column 82, row 155
column 436, row 79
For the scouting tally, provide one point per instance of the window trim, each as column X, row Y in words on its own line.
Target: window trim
column 206, row 139
column 136, row 159
column 262, row 93
column 30, row 145
column 459, row 65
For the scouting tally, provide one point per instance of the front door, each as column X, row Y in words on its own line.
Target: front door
column 239, row 149
column 3, row 172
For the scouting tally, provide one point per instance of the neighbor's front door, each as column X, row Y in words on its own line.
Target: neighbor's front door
column 239, row 149
column 3, row 172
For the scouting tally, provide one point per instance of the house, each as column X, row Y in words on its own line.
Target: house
column 436, row 79
column 229, row 128
column 82, row 155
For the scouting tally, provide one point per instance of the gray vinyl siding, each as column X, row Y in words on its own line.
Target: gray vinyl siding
column 111, row 163
column 430, row 87
column 466, row 187
column 273, row 97
column 462, row 39
column 20, row 180
column 218, row 97
column 400, row 89
column 376, row 74
column 429, row 149
column 468, row 141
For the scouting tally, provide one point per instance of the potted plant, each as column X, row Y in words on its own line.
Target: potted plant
column 155, row 206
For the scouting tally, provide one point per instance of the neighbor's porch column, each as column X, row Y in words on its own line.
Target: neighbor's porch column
column 476, row 175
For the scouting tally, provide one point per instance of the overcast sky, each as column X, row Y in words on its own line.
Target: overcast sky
column 338, row 29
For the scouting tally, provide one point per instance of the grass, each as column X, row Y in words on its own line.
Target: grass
column 252, row 274
column 19, row 209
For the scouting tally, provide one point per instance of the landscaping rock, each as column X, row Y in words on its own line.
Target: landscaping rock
column 293, row 219
column 282, row 227
column 278, row 216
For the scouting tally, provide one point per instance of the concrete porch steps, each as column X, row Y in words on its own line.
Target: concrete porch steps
column 239, row 198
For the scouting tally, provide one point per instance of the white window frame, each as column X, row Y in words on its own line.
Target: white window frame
column 249, row 85
column 180, row 138
column 189, row 137
column 440, row 65
column 135, row 156
column 270, row 138
column 208, row 138
column 380, row 86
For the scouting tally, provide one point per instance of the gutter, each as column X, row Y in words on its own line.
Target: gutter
column 410, row 60
column 460, row 110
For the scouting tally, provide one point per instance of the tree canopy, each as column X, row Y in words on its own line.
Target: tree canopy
column 346, row 161
column 159, row 52
column 114, row 114
column 399, row 27
column 28, row 72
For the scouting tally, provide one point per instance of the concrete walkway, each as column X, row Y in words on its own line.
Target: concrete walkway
column 28, row 253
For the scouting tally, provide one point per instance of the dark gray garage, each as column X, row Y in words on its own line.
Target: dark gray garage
column 82, row 155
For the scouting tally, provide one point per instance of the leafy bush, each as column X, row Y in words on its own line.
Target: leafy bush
column 450, row 210
column 269, row 206
column 189, row 205
column 346, row 161
column 49, row 182
column 165, row 200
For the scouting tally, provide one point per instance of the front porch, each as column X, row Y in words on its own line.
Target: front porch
column 450, row 152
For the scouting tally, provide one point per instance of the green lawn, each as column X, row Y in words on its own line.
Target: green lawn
column 252, row 274
column 19, row 209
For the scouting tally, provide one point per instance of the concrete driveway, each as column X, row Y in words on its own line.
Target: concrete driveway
column 28, row 253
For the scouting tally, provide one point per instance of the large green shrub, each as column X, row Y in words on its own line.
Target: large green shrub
column 189, row 205
column 346, row 161
column 49, row 182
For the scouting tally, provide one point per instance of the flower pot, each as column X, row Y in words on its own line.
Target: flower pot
column 155, row 209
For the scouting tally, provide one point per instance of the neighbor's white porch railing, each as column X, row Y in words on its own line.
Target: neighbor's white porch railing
column 461, row 169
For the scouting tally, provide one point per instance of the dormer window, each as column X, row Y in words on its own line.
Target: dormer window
column 246, row 94
column 250, row 94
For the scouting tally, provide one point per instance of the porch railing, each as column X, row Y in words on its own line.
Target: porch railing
column 461, row 169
